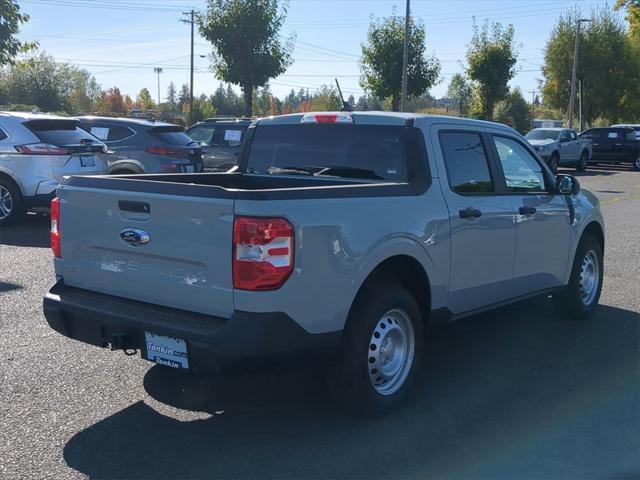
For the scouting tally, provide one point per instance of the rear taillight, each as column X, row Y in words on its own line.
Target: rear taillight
column 262, row 252
column 55, row 227
column 327, row 118
column 42, row 149
column 165, row 151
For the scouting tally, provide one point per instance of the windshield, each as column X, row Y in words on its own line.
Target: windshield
column 542, row 134
column 375, row 152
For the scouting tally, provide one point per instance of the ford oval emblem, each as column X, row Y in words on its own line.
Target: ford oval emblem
column 135, row 236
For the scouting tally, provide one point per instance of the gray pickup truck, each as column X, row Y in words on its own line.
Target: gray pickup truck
column 561, row 147
column 347, row 232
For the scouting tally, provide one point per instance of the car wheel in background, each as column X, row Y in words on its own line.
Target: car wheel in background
column 583, row 291
column 581, row 166
column 636, row 164
column 554, row 162
column 11, row 205
column 381, row 349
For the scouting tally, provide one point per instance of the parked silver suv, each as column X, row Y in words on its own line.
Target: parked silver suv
column 36, row 151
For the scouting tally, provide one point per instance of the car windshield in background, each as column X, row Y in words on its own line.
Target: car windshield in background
column 173, row 135
column 542, row 135
column 376, row 152
column 59, row 132
column 218, row 135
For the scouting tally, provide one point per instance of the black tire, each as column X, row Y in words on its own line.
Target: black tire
column 554, row 162
column 372, row 317
column 11, row 203
column 636, row 164
column 582, row 164
column 572, row 300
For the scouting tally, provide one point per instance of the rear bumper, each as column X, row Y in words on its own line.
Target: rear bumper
column 39, row 200
column 105, row 320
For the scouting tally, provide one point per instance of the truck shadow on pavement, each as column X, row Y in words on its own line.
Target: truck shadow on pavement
column 518, row 390
column 31, row 231
column 598, row 170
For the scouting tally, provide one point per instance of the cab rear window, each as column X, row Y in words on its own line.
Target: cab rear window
column 377, row 152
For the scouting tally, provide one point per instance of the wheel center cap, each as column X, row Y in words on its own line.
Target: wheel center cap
column 387, row 350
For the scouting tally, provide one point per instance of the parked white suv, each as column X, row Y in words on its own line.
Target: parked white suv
column 36, row 151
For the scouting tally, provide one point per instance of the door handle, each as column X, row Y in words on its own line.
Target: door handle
column 470, row 212
column 527, row 210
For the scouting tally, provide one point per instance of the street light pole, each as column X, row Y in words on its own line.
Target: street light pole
column 158, row 71
column 405, row 60
column 574, row 69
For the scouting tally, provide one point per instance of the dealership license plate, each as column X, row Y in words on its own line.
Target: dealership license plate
column 87, row 161
column 168, row 351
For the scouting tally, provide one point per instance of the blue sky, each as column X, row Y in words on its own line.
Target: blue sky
column 121, row 41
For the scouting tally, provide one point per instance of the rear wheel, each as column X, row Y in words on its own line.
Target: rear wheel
column 583, row 291
column 11, row 204
column 554, row 162
column 381, row 349
column 636, row 164
column 581, row 166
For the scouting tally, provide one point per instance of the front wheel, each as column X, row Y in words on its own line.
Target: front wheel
column 585, row 284
column 581, row 166
column 381, row 349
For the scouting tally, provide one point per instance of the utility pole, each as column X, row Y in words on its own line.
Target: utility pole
column 580, row 105
column 405, row 60
column 158, row 70
column 574, row 69
column 192, row 21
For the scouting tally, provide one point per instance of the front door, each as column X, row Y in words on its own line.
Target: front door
column 482, row 222
column 542, row 217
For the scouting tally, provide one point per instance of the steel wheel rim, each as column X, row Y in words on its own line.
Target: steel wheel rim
column 6, row 202
column 589, row 277
column 554, row 163
column 391, row 352
column 583, row 161
column 638, row 163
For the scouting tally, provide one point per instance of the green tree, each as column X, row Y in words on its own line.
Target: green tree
column 632, row 8
column 460, row 89
column 491, row 60
column 325, row 99
column 183, row 96
column 10, row 21
column 608, row 66
column 144, row 100
column 52, row 86
column 245, row 36
column 514, row 111
column 172, row 94
column 381, row 61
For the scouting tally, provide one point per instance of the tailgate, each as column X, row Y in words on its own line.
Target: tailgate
column 185, row 264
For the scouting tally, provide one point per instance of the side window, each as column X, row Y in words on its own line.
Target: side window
column 573, row 136
column 565, row 135
column 522, row 172
column 117, row 133
column 466, row 162
column 613, row 135
column 202, row 135
column 3, row 135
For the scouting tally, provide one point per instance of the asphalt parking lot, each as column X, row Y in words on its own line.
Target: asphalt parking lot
column 518, row 393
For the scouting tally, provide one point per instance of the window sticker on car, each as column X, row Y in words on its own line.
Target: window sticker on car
column 101, row 133
column 232, row 135
column 613, row 134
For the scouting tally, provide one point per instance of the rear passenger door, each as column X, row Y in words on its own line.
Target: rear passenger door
column 542, row 216
column 482, row 222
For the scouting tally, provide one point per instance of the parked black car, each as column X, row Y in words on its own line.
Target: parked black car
column 145, row 146
column 614, row 144
column 220, row 139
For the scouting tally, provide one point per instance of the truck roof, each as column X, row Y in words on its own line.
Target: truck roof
column 381, row 118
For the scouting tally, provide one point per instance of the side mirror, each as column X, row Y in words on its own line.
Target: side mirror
column 567, row 185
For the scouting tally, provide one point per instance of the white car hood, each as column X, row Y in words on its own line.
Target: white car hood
column 541, row 143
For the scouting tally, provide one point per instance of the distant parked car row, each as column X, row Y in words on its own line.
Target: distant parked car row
column 564, row 147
